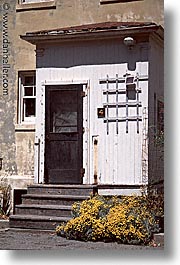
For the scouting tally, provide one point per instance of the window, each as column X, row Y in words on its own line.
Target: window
column 32, row 1
column 131, row 88
column 27, row 97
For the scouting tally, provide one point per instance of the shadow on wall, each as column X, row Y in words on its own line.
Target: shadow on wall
column 90, row 53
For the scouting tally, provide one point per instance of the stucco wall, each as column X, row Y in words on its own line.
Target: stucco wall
column 7, row 89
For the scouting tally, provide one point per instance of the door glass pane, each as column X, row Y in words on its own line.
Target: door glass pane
column 63, row 113
column 64, row 122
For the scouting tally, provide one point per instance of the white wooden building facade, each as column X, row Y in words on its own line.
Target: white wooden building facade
column 113, row 82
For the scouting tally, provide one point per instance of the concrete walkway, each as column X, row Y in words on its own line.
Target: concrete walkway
column 16, row 239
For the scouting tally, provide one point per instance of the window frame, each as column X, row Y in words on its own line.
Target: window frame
column 20, row 2
column 22, row 118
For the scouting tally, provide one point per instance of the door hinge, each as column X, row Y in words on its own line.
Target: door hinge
column 83, row 93
column 82, row 172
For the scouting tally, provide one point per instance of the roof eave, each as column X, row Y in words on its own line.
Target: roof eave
column 102, row 34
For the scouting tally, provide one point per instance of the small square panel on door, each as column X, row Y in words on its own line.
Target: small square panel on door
column 63, row 134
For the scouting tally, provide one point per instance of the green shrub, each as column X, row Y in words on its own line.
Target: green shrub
column 129, row 220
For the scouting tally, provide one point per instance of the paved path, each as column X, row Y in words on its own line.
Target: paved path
column 14, row 239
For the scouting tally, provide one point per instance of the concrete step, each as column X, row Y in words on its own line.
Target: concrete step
column 45, row 206
column 62, row 189
column 45, row 199
column 43, row 210
column 159, row 239
column 36, row 222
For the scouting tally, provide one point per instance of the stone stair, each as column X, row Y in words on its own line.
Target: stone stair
column 46, row 206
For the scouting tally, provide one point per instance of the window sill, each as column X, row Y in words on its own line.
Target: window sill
column 103, row 2
column 36, row 6
column 25, row 127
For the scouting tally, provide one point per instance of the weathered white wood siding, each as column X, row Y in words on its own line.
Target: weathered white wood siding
column 117, row 158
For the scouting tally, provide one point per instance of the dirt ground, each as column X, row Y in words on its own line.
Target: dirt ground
column 15, row 239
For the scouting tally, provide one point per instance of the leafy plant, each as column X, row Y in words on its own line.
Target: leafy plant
column 5, row 207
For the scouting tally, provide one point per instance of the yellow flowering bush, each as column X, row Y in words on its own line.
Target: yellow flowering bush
column 128, row 220
column 132, row 221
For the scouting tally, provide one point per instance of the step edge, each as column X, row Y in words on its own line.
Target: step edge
column 64, row 186
column 39, row 218
column 49, row 196
column 49, row 206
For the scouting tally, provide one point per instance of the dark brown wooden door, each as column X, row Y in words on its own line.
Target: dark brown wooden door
column 63, row 134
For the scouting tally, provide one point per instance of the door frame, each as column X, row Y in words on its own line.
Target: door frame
column 40, row 128
column 75, row 172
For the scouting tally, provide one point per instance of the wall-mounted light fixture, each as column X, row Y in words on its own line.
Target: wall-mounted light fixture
column 129, row 42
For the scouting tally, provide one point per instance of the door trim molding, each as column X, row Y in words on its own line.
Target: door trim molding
column 61, row 83
column 40, row 127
